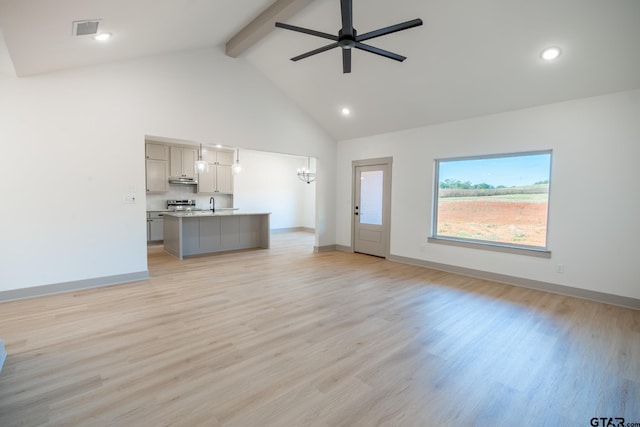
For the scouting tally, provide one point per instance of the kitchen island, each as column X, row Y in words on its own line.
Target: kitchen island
column 204, row 232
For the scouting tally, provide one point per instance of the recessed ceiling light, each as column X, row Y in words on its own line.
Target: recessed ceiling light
column 102, row 37
column 550, row 53
column 218, row 146
column 345, row 111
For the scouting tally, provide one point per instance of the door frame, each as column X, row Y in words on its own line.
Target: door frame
column 386, row 213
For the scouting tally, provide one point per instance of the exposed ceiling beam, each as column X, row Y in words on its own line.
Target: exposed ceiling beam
column 264, row 23
column 6, row 64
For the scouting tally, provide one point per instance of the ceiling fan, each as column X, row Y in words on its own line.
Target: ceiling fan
column 348, row 37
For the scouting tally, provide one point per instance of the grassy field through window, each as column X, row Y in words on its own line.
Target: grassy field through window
column 495, row 208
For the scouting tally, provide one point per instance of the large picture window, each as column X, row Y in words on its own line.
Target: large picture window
column 500, row 200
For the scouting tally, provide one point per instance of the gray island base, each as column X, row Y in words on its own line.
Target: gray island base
column 204, row 232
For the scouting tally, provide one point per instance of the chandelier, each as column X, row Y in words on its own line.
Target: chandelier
column 305, row 174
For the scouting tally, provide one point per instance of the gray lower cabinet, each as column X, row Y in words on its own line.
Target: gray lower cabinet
column 194, row 235
column 210, row 235
column 190, row 236
column 230, row 232
column 155, row 227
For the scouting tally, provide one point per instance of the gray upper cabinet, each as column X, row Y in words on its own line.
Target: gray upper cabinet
column 156, row 151
column 183, row 160
column 157, row 168
column 164, row 161
column 219, row 178
column 224, row 179
column 224, row 158
column 207, row 180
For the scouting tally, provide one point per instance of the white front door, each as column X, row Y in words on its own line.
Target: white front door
column 371, row 208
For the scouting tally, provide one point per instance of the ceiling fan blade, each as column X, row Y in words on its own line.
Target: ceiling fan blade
column 380, row 52
column 346, row 61
column 389, row 30
column 315, row 51
column 306, row 31
column 346, row 7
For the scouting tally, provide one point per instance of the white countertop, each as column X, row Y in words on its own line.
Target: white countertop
column 221, row 212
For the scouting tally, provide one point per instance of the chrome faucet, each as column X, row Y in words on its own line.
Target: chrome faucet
column 212, row 202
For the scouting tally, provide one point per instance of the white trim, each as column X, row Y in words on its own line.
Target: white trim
column 491, row 246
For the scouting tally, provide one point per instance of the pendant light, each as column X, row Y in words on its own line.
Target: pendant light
column 202, row 166
column 236, row 168
column 305, row 174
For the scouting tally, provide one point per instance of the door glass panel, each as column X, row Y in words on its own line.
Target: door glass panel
column 371, row 197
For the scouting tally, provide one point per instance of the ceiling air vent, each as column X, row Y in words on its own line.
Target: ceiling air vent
column 86, row 28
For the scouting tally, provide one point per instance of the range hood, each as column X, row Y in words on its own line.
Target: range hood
column 182, row 180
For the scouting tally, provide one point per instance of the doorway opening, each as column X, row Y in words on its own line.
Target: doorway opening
column 268, row 182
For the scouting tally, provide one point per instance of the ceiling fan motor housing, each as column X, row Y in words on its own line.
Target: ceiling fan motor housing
column 347, row 41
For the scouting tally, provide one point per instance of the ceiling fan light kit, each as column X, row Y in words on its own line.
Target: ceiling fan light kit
column 348, row 37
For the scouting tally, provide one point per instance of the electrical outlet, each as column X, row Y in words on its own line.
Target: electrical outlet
column 423, row 248
column 560, row 268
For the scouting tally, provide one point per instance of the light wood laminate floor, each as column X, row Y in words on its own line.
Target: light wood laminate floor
column 286, row 337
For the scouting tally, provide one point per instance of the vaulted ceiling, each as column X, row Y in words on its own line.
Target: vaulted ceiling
column 470, row 58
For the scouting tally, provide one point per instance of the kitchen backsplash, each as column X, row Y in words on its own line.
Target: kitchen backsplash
column 158, row 202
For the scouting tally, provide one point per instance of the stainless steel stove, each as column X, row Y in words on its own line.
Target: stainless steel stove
column 181, row 205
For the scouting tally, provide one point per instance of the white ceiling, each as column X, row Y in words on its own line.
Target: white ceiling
column 470, row 57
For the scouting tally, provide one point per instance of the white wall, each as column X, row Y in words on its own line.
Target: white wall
column 308, row 197
column 72, row 148
column 594, row 224
column 268, row 182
